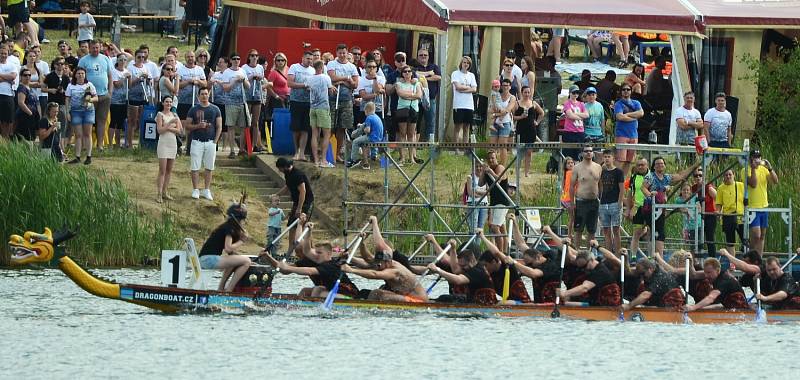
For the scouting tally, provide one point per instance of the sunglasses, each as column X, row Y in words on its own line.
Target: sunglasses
column 400, row 60
column 254, row 55
column 280, row 60
column 203, row 55
column 235, row 58
column 698, row 175
column 588, row 151
column 575, row 92
column 406, row 71
column 372, row 67
column 422, row 55
column 169, row 69
column 26, row 75
column 508, row 65
column 626, row 89
column 139, row 57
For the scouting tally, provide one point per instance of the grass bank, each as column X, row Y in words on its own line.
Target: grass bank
column 38, row 192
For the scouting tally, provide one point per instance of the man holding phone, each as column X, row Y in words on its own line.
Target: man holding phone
column 759, row 175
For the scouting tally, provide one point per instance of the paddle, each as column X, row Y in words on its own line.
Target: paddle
column 761, row 314
column 425, row 273
column 282, row 234
column 507, row 277
column 302, row 235
column 686, row 318
column 469, row 242
column 622, row 290
column 332, row 294
column 418, row 250
column 556, row 313
column 363, row 229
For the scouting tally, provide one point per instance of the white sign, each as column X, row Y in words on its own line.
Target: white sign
column 150, row 131
column 534, row 220
column 173, row 268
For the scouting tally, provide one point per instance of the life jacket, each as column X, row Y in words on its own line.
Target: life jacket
column 485, row 296
column 609, row 295
column 549, row 292
column 735, row 301
column 519, row 292
column 674, row 298
column 701, row 290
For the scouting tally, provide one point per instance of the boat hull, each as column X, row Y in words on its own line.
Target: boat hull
column 177, row 300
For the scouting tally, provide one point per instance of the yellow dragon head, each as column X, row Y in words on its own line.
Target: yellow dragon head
column 32, row 247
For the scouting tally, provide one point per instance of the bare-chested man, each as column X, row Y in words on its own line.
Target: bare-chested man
column 401, row 283
column 585, row 190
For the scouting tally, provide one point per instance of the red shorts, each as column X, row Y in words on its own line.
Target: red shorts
column 625, row 155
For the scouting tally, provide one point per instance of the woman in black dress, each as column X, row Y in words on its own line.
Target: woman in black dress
column 528, row 115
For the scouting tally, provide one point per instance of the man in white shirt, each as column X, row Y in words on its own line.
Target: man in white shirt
column 464, row 85
column 8, row 73
column 689, row 120
column 345, row 79
column 300, row 103
column 717, row 123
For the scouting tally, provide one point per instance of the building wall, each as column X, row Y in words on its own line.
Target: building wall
column 744, row 42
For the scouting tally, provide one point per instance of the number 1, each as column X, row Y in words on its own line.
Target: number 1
column 174, row 261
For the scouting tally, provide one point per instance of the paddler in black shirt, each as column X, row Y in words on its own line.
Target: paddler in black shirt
column 726, row 291
column 299, row 188
column 497, row 269
column 320, row 264
column 468, row 271
column 752, row 266
column 779, row 289
column 660, row 288
column 600, row 284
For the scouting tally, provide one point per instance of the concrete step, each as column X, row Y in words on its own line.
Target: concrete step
column 233, row 162
column 244, row 170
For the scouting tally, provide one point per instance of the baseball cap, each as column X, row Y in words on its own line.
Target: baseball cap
column 574, row 88
column 383, row 256
column 591, row 90
column 510, row 53
column 512, row 184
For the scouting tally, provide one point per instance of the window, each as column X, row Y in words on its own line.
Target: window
column 715, row 74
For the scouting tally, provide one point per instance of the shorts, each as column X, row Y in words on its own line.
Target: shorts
column 719, row 144
column 6, row 109
column 625, row 155
column 209, row 261
column 203, row 153
column 81, row 116
column 308, row 209
column 731, row 225
column 102, row 108
column 566, row 204
column 343, row 117
column 761, row 220
column 320, row 118
column 498, row 216
column 119, row 113
column 462, row 116
column 406, row 115
column 136, row 103
column 300, row 112
column 610, row 214
column 503, row 130
column 640, row 218
column 586, row 211
column 235, row 115
column 18, row 13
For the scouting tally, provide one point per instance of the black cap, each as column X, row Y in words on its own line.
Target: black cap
column 283, row 163
column 755, row 153
column 511, row 54
column 237, row 211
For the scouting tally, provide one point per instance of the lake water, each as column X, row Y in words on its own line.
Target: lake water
column 51, row 329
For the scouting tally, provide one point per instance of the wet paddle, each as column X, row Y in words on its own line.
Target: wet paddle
column 507, row 274
column 425, row 273
column 686, row 318
column 332, row 294
column 556, row 313
column 363, row 229
column 302, row 235
column 622, row 290
column 761, row 314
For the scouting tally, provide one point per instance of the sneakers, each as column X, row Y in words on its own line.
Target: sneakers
column 350, row 164
column 88, row 160
column 76, row 160
column 45, row 41
column 365, row 166
column 418, row 161
column 196, row 193
column 326, row 164
column 207, row 194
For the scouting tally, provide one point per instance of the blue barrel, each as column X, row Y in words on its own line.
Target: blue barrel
column 148, row 133
column 282, row 143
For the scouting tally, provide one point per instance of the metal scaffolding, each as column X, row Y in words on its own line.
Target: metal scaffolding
column 435, row 208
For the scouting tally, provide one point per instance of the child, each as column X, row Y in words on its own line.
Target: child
column 276, row 217
column 691, row 220
column 369, row 132
column 495, row 103
column 566, row 200
column 86, row 23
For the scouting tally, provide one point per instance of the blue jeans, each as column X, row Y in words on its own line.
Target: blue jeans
column 212, row 27
column 476, row 216
column 430, row 119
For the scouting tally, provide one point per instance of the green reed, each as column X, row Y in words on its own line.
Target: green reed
column 36, row 192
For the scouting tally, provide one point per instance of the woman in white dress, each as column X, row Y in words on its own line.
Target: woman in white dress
column 169, row 126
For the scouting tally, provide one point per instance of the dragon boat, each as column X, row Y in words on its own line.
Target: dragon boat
column 254, row 292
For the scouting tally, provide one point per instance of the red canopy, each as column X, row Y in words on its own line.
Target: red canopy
column 733, row 13
column 400, row 14
column 656, row 15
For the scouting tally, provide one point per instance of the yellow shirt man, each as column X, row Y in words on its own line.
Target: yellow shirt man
column 730, row 198
column 758, row 195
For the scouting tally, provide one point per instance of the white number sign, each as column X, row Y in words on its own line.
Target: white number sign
column 173, row 268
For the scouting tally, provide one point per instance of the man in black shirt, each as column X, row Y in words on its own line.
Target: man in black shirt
column 600, row 283
column 503, row 266
column 779, row 289
column 612, row 188
column 469, row 272
column 299, row 187
column 726, row 290
column 661, row 289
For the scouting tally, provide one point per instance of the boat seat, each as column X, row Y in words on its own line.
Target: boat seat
column 199, row 276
